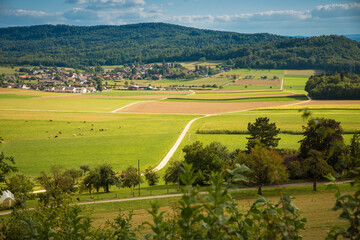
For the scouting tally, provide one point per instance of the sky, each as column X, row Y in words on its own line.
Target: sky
column 283, row 17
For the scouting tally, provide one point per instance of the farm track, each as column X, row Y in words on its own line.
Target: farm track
column 180, row 194
column 168, row 156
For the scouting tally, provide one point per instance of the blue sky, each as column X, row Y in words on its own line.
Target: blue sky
column 284, row 17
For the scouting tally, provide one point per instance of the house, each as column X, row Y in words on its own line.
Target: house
column 7, row 199
column 133, row 87
column 138, row 87
column 10, row 78
column 49, row 89
column 69, row 90
column 80, row 90
column 59, row 89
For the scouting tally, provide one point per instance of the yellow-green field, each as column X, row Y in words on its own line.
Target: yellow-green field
column 44, row 129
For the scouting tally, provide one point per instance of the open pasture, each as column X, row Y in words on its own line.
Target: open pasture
column 286, row 120
column 63, row 104
column 121, row 140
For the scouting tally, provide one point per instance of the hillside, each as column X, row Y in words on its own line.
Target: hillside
column 63, row 45
column 77, row 46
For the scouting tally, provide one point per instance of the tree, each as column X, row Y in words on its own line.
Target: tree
column 172, row 173
column 206, row 159
column 266, row 166
column 74, row 174
column 99, row 86
column 6, row 167
column 315, row 166
column 324, row 135
column 56, row 184
column 85, row 168
column 263, row 132
column 355, row 151
column 107, row 176
column 130, row 178
column 92, row 180
column 21, row 186
column 152, row 177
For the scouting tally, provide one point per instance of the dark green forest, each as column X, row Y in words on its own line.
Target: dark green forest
column 342, row 85
column 79, row 46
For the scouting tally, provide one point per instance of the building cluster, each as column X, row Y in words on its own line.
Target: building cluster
column 57, row 79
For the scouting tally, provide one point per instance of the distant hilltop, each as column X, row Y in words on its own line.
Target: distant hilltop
column 81, row 46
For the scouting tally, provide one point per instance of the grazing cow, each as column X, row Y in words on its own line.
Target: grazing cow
column 60, row 132
column 79, row 127
column 56, row 136
column 68, row 122
column 50, row 120
column 84, row 121
column 74, row 135
column 91, row 129
column 92, row 124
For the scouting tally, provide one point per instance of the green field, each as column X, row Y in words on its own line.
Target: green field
column 31, row 122
column 65, row 104
column 125, row 139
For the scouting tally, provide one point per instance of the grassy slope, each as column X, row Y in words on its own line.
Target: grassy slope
column 144, row 137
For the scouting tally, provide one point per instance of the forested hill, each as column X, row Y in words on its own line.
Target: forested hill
column 63, row 45
column 77, row 46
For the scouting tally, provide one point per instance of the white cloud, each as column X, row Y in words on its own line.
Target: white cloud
column 98, row 4
column 337, row 10
column 14, row 17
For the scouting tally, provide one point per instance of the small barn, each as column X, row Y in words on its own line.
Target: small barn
column 7, row 199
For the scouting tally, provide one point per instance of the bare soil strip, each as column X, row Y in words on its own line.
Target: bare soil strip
column 200, row 107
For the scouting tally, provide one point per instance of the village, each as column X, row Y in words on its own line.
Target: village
column 98, row 78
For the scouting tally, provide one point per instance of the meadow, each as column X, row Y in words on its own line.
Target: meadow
column 91, row 134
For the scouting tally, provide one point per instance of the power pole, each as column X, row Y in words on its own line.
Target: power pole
column 139, row 174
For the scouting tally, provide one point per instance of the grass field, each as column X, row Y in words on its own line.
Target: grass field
column 124, row 140
column 30, row 120
column 314, row 206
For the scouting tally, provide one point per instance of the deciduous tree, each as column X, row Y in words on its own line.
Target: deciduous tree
column 172, row 173
column 21, row 186
column 325, row 136
column 264, row 132
column 130, row 178
column 206, row 159
column 152, row 177
column 266, row 166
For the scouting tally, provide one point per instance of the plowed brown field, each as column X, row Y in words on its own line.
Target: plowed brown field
column 198, row 107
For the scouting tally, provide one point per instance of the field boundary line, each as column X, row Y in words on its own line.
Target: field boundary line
column 121, row 108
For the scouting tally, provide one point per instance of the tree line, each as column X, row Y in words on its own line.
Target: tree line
column 334, row 86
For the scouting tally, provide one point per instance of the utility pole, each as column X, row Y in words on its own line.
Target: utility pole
column 139, row 174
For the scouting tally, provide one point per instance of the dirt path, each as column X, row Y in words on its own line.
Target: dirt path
column 180, row 194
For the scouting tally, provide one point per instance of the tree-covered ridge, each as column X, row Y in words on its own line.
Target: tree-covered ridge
column 334, row 86
column 63, row 45
column 79, row 46
column 331, row 53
